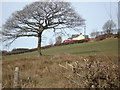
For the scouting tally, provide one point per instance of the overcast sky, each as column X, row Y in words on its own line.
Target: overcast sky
column 95, row 13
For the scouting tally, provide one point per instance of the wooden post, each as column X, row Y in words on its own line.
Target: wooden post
column 16, row 78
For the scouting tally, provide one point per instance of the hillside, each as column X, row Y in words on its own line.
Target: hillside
column 104, row 47
column 82, row 65
column 109, row 46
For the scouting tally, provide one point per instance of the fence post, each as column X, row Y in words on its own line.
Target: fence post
column 16, row 83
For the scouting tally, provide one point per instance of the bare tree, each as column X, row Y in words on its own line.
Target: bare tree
column 58, row 40
column 109, row 26
column 118, row 16
column 40, row 16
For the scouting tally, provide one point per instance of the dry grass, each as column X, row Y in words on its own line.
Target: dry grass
column 46, row 72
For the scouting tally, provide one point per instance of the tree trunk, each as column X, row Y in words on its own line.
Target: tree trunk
column 39, row 43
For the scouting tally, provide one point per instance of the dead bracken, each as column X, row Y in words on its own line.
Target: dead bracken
column 63, row 71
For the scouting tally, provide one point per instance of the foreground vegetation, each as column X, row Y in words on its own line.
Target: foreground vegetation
column 63, row 71
column 84, row 65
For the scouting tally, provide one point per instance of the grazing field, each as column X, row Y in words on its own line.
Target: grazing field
column 105, row 47
column 83, row 65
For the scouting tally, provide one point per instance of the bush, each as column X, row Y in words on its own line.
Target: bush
column 108, row 35
column 93, row 74
column 98, row 38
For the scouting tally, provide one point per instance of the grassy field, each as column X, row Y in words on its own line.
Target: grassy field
column 83, row 65
column 105, row 47
column 101, row 47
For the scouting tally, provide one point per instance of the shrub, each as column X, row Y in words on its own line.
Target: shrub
column 92, row 74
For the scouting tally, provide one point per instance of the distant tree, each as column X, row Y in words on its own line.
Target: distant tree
column 58, row 40
column 109, row 26
column 118, row 17
column 37, row 17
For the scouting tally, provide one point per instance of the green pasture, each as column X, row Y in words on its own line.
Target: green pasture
column 104, row 47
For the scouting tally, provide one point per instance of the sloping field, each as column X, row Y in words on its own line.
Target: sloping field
column 83, row 65
column 109, row 47
column 105, row 47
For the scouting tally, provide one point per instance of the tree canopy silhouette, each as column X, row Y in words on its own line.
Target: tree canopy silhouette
column 109, row 26
column 33, row 19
